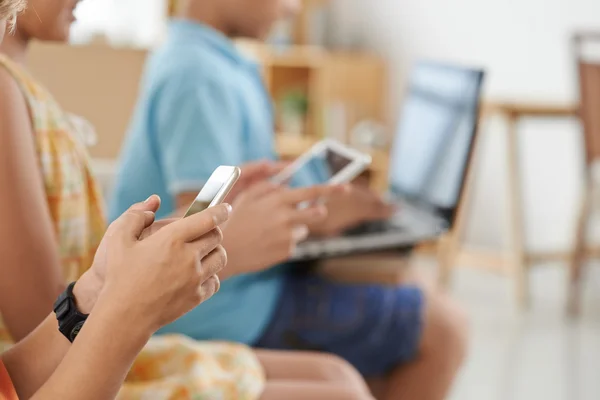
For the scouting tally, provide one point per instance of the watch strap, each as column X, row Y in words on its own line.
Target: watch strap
column 70, row 320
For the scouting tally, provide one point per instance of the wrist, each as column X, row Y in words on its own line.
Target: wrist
column 86, row 292
column 135, row 314
column 230, row 270
column 113, row 319
column 233, row 267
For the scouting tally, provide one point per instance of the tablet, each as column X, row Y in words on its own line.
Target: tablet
column 327, row 162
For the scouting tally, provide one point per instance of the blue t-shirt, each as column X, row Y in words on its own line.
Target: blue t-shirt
column 202, row 104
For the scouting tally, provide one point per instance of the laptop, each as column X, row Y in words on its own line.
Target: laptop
column 430, row 156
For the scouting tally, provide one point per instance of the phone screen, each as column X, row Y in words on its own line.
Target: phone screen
column 213, row 187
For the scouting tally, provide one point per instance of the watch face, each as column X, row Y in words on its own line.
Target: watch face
column 75, row 330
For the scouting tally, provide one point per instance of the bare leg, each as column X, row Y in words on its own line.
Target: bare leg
column 317, row 369
column 296, row 390
column 442, row 351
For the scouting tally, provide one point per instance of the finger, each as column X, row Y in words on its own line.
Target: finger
column 384, row 211
column 299, row 233
column 213, row 263
column 156, row 226
column 294, row 196
column 308, row 215
column 253, row 169
column 205, row 244
column 152, row 203
column 208, row 289
column 250, row 188
column 277, row 167
column 195, row 226
column 131, row 224
column 263, row 189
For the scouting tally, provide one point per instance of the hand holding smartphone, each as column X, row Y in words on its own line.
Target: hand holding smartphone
column 215, row 190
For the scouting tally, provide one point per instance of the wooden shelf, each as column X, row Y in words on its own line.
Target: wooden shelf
column 290, row 146
column 291, row 57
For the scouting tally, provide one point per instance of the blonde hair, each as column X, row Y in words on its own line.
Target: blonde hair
column 10, row 8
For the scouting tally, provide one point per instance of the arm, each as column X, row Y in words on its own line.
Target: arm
column 149, row 282
column 46, row 366
column 30, row 268
column 100, row 357
column 46, row 340
column 46, row 345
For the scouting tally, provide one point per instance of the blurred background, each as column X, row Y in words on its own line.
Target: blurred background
column 341, row 69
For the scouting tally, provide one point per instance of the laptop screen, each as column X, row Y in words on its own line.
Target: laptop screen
column 433, row 143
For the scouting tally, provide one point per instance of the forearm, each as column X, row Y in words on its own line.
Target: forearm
column 229, row 271
column 97, row 363
column 23, row 313
column 237, row 263
column 31, row 281
column 31, row 362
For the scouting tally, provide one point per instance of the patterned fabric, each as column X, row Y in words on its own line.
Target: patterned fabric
column 73, row 198
column 169, row 368
column 176, row 367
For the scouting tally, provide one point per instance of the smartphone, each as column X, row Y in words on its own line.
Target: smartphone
column 215, row 190
column 327, row 162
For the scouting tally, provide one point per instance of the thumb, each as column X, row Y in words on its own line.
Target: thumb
column 152, row 204
column 138, row 217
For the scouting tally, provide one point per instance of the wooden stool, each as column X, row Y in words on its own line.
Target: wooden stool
column 517, row 260
column 589, row 85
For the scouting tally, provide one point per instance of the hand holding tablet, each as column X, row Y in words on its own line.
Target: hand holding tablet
column 327, row 162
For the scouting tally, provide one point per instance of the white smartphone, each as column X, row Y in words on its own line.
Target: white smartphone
column 330, row 161
column 215, row 190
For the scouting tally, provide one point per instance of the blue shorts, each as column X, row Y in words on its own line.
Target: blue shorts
column 375, row 328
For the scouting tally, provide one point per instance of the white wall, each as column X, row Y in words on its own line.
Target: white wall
column 524, row 46
column 130, row 23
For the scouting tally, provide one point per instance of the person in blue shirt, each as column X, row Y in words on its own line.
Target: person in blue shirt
column 203, row 104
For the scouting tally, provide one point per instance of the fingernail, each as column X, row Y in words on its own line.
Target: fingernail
column 221, row 217
column 148, row 199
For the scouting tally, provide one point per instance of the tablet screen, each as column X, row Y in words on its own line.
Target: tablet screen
column 320, row 168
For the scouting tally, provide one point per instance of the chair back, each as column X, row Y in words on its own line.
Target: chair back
column 588, row 69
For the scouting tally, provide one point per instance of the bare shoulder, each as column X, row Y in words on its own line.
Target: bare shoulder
column 15, row 121
column 10, row 93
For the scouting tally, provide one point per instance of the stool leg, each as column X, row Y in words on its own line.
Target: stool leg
column 517, row 246
column 446, row 257
column 450, row 245
column 578, row 256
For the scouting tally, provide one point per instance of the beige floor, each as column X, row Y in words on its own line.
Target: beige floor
column 538, row 354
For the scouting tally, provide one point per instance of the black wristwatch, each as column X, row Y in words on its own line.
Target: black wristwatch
column 70, row 320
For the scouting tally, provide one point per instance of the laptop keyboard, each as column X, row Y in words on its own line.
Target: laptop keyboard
column 374, row 227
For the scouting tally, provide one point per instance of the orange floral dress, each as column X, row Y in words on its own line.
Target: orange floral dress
column 74, row 200
column 7, row 392
column 169, row 367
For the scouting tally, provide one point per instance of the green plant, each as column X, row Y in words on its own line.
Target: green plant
column 295, row 102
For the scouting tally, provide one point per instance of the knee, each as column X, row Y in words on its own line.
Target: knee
column 446, row 331
column 335, row 369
